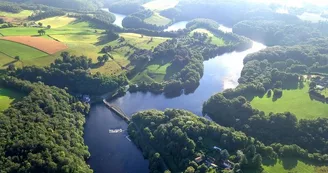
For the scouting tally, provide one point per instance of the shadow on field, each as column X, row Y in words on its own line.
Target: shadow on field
column 289, row 163
column 103, row 40
column 4, row 65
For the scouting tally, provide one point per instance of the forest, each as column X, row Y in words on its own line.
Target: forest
column 42, row 132
column 174, row 138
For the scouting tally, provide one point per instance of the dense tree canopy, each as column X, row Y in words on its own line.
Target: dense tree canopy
column 43, row 131
column 174, row 138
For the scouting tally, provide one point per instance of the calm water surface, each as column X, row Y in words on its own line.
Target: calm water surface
column 114, row 153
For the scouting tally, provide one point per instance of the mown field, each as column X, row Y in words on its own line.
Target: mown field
column 215, row 40
column 7, row 97
column 13, row 49
column 297, row 101
column 157, row 19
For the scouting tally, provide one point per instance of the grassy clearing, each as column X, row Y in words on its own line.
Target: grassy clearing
column 143, row 42
column 215, row 40
column 13, row 49
column 7, row 97
column 22, row 15
column 159, row 5
column 289, row 166
column 157, row 19
column 297, row 101
column 57, row 22
column 153, row 73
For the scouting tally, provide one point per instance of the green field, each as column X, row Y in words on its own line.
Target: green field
column 143, row 42
column 21, row 15
column 7, row 97
column 215, row 40
column 157, row 19
column 13, row 49
column 296, row 101
column 57, row 22
column 289, row 166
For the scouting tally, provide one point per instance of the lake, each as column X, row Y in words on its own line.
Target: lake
column 114, row 152
column 176, row 26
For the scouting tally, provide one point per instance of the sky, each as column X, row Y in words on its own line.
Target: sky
column 295, row 3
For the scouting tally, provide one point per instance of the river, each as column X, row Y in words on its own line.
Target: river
column 114, row 152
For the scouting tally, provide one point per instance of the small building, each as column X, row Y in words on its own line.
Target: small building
column 217, row 148
column 319, row 87
column 199, row 159
column 86, row 99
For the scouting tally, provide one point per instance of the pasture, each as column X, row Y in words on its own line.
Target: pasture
column 296, row 101
column 158, row 20
column 214, row 40
column 7, row 97
column 13, row 49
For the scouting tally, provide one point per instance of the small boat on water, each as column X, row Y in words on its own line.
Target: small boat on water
column 115, row 130
column 127, row 137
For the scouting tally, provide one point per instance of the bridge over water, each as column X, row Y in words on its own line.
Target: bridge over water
column 117, row 110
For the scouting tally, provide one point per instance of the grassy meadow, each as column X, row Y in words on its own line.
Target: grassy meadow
column 7, row 97
column 215, row 40
column 157, row 19
column 57, row 22
column 296, row 101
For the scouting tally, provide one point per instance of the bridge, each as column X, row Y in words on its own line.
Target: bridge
column 117, row 110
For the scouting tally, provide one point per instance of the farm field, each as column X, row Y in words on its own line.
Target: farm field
column 45, row 45
column 13, row 49
column 157, row 19
column 215, row 40
column 159, row 5
column 290, row 166
column 7, row 97
column 296, row 101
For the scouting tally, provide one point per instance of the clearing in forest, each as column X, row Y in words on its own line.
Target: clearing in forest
column 296, row 101
column 142, row 41
column 45, row 45
column 57, row 22
column 158, row 20
column 13, row 49
column 7, row 97
column 292, row 165
column 215, row 40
